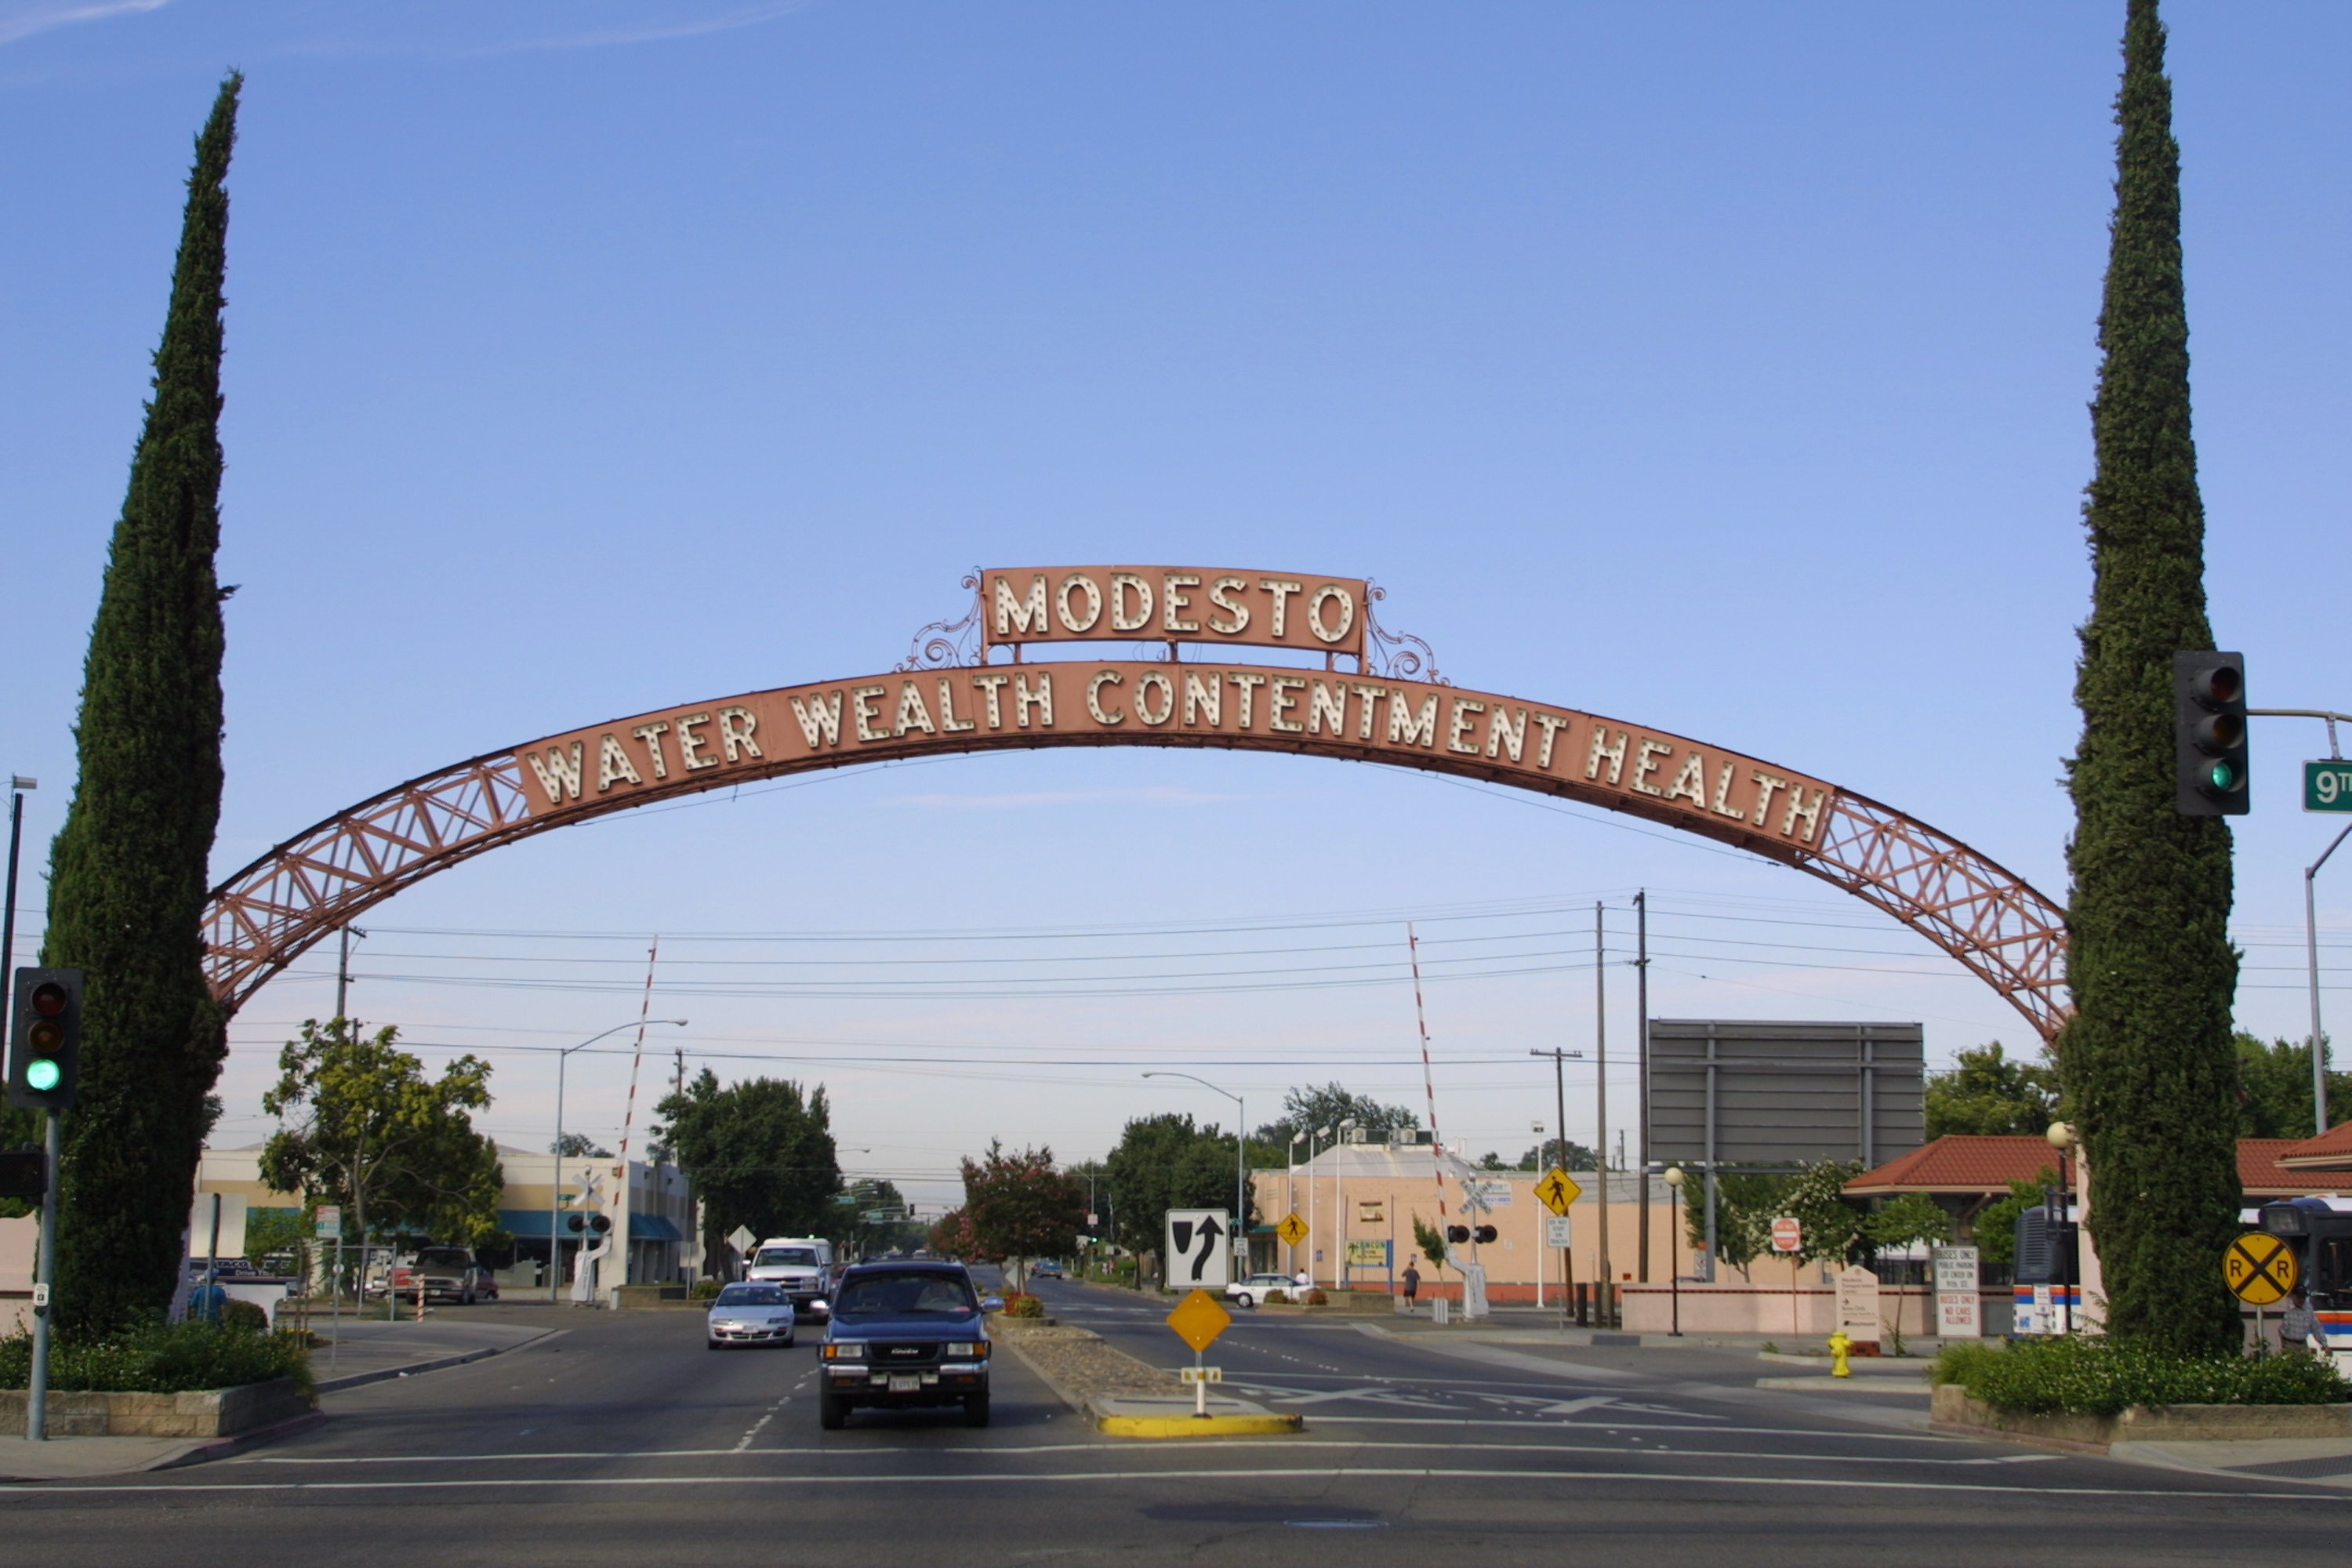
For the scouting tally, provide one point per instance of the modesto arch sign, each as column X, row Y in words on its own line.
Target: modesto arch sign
column 970, row 685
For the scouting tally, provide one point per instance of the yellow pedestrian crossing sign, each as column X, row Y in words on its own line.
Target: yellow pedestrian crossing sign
column 1292, row 1230
column 1558, row 1189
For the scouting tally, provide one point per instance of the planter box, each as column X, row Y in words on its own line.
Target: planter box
column 1955, row 1410
column 209, row 1413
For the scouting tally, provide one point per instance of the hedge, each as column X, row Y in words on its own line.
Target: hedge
column 2091, row 1374
column 159, row 1358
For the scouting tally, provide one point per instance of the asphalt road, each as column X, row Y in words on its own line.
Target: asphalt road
column 624, row 1441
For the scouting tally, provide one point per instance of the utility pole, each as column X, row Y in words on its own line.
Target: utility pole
column 45, row 1256
column 1559, row 1091
column 343, row 967
column 1641, row 1054
column 1600, row 1050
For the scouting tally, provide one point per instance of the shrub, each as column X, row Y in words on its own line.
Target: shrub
column 703, row 1291
column 2094, row 1374
column 1023, row 1305
column 1274, row 1298
column 159, row 1358
column 244, row 1318
column 1316, row 1298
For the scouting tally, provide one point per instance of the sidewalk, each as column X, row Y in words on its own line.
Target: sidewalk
column 366, row 1351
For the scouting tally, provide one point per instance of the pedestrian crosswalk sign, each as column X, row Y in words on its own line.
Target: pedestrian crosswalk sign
column 1292, row 1230
column 1558, row 1189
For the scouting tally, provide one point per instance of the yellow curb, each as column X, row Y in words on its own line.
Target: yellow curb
column 1189, row 1425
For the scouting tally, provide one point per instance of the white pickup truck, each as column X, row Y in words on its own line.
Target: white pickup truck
column 802, row 1266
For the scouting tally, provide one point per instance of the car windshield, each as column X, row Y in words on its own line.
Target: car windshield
column 893, row 1295
column 795, row 1257
column 442, row 1258
column 751, row 1296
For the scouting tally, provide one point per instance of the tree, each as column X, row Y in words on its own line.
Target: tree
column 1995, row 1224
column 368, row 1130
column 1311, row 1108
column 579, row 1146
column 1836, row 1226
column 1019, row 1206
column 1166, row 1162
column 2148, row 1061
column 1568, row 1154
column 759, row 1154
column 1989, row 1093
column 1908, row 1219
column 1746, row 1205
column 129, row 871
column 1431, row 1240
column 2275, row 1089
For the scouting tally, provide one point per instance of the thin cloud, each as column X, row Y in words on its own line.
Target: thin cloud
column 1026, row 800
column 27, row 17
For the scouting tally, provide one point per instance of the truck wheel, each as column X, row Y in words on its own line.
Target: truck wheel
column 975, row 1410
column 832, row 1410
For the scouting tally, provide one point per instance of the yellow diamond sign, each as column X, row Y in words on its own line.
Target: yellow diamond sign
column 1558, row 1191
column 1292, row 1230
column 1198, row 1319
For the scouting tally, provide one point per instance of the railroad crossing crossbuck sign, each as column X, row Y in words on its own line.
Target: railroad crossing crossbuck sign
column 1197, row 1258
column 2259, row 1268
column 1558, row 1191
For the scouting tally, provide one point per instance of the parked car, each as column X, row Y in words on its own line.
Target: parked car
column 904, row 1335
column 1045, row 1268
column 749, row 1315
column 1252, row 1288
column 449, row 1274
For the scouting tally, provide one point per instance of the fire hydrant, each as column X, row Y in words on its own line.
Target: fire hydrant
column 1839, row 1346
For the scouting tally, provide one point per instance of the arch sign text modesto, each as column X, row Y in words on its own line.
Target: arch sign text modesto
column 1390, row 705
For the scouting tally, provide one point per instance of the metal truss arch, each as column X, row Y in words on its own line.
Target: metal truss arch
column 262, row 918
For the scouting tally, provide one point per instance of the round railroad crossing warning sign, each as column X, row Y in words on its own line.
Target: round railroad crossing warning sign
column 2259, row 1268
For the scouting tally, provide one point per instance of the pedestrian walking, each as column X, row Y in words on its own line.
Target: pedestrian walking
column 1412, row 1281
column 2298, row 1325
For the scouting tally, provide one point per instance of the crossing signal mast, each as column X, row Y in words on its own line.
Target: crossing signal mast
column 2209, row 763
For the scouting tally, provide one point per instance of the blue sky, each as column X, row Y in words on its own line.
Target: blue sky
column 1723, row 368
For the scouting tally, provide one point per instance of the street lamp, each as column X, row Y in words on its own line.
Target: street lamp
column 555, row 1188
column 2062, row 1137
column 1674, row 1180
column 1339, row 1208
column 1241, row 1154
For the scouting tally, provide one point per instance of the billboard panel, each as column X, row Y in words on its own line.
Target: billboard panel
column 1750, row 1092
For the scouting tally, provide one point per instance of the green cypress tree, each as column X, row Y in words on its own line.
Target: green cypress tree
column 2150, row 1071
column 130, row 868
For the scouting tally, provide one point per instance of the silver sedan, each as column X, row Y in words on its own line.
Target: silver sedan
column 751, row 1314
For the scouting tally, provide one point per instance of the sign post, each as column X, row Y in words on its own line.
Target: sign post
column 1558, row 1191
column 1857, row 1306
column 1788, row 1240
column 1198, row 1319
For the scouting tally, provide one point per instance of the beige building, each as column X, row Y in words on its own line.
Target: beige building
column 653, row 1230
column 1359, row 1201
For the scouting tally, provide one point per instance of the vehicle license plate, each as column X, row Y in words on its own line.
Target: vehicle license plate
column 905, row 1382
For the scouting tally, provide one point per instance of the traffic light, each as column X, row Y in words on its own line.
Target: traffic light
column 44, row 1039
column 1484, row 1235
column 24, row 1173
column 2209, row 734
column 1457, row 1234
column 594, row 1224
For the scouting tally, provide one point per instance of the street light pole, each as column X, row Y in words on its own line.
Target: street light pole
column 555, row 1185
column 1241, row 1157
column 1674, row 1180
column 2311, row 955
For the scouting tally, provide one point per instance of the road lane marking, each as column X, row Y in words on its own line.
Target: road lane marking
column 762, row 1421
column 1190, row 1478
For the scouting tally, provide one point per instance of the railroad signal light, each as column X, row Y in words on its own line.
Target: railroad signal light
column 44, row 1039
column 1457, row 1234
column 1484, row 1235
column 594, row 1224
column 2209, row 734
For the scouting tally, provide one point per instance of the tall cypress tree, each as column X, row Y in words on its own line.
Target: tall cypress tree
column 2149, row 1065
column 130, row 868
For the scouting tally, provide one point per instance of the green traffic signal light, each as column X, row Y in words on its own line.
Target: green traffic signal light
column 2223, row 778
column 41, row 1074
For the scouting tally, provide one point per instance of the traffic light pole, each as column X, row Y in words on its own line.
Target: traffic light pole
column 2310, row 914
column 45, row 1306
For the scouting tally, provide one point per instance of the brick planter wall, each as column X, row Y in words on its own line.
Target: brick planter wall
column 210, row 1413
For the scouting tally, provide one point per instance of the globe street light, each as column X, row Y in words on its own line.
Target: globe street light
column 555, row 1188
column 1674, row 1180
column 1241, row 1156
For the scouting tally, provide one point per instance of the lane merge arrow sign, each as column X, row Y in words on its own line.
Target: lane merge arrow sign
column 1196, row 1259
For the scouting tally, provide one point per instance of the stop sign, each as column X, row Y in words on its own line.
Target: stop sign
column 1788, row 1235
